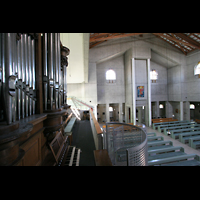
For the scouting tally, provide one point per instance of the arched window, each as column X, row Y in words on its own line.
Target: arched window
column 192, row 106
column 110, row 76
column 197, row 69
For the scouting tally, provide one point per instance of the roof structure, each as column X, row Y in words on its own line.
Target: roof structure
column 185, row 42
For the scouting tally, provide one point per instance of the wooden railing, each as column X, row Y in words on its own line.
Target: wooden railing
column 96, row 131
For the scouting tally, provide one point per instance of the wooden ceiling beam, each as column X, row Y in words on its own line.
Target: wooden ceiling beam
column 179, row 48
column 174, row 39
column 189, row 40
column 95, row 44
column 113, row 37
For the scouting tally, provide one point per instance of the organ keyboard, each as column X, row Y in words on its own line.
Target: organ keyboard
column 63, row 153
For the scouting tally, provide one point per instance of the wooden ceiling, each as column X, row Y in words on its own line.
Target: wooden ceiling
column 185, row 42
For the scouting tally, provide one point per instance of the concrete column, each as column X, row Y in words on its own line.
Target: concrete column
column 120, row 113
column 139, row 114
column 107, row 113
column 134, row 93
column 157, row 109
column 149, row 92
column 181, row 110
column 186, row 106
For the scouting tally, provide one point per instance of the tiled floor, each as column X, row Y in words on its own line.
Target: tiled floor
column 176, row 142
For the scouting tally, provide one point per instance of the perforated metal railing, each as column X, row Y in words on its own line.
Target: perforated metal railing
column 126, row 144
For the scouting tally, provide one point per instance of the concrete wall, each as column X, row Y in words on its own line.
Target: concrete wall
column 111, row 92
column 159, row 89
column 176, row 81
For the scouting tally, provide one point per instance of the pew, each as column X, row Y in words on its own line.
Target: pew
column 175, row 133
column 151, row 134
column 194, row 142
column 163, row 120
column 165, row 153
column 180, row 127
column 154, row 138
column 159, row 144
column 181, row 160
column 184, row 137
column 197, row 120
column 155, row 125
column 161, row 127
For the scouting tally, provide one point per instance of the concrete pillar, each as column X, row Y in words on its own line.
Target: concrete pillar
column 149, row 93
column 107, row 113
column 134, row 93
column 157, row 109
column 139, row 114
column 186, row 106
column 120, row 113
column 181, row 110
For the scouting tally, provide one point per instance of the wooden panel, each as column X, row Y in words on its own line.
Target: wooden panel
column 32, row 149
column 102, row 158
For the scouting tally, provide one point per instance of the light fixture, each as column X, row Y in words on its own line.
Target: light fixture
column 153, row 75
column 197, row 69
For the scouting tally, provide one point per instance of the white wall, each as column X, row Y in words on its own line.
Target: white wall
column 176, row 81
column 78, row 43
column 111, row 92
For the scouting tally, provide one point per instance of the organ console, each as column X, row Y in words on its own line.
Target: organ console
column 33, row 95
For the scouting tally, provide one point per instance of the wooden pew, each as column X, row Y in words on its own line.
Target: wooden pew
column 163, row 120
column 197, row 120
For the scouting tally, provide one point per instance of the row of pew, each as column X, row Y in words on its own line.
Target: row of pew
column 187, row 132
column 163, row 153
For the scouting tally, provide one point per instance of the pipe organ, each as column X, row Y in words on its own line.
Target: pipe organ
column 32, row 70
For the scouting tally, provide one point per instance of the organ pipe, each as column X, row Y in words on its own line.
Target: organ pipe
column 18, row 74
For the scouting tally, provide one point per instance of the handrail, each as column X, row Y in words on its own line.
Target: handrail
column 96, row 124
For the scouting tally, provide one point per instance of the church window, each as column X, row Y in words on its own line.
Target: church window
column 110, row 76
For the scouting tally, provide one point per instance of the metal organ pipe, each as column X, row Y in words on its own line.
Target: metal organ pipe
column 27, row 74
column 33, row 73
column 50, row 67
column 9, row 79
column 60, row 73
column 17, row 76
column 19, row 82
column 56, row 69
column 45, row 77
column 23, row 74
column 30, row 94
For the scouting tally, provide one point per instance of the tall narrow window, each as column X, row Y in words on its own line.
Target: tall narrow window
column 197, row 69
column 110, row 76
column 153, row 75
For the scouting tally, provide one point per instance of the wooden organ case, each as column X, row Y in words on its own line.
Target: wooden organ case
column 33, row 98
